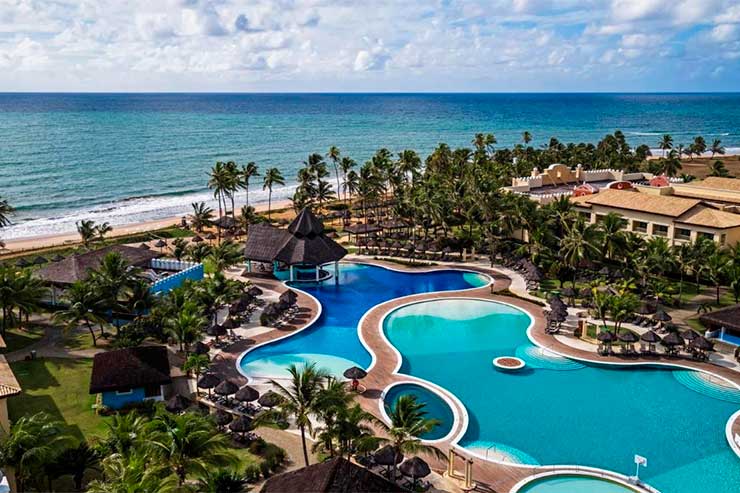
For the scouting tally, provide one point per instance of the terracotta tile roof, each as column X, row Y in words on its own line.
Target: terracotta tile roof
column 8, row 383
column 718, row 183
column 639, row 201
column 703, row 215
column 124, row 369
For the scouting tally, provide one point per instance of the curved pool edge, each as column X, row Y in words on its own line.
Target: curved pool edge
column 461, row 412
column 730, row 435
column 590, row 472
column 320, row 308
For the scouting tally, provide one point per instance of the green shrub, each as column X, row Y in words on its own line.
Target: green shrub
column 258, row 446
column 274, row 456
column 252, row 473
column 265, row 470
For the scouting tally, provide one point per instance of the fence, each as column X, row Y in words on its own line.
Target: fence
column 195, row 272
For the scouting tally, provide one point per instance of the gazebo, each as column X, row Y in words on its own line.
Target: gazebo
column 303, row 245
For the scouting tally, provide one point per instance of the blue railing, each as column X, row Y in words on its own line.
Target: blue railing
column 195, row 273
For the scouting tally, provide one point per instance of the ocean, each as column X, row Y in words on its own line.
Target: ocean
column 128, row 158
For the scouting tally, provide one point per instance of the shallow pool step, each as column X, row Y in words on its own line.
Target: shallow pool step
column 538, row 357
column 500, row 452
column 701, row 383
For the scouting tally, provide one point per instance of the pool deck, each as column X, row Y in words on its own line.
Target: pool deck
column 497, row 477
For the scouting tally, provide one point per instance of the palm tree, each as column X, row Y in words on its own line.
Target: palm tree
column 5, row 211
column 135, row 473
column 248, row 216
column 579, row 244
column 300, row 397
column 87, row 231
column 199, row 252
column 32, row 443
column 716, row 265
column 83, row 303
column 76, row 461
column 672, row 164
column 717, row 148
column 225, row 255
column 19, row 291
column 179, row 249
column 354, row 432
column 612, row 226
column 124, row 433
column 218, row 181
column 666, row 143
column 201, row 217
column 682, row 254
column 186, row 327
column 699, row 146
column 526, row 138
column 718, row 168
column 140, row 298
column 409, row 421
column 188, row 444
column 351, row 184
column 334, row 156
column 248, row 171
column 221, row 481
column 102, row 230
column 197, row 364
column 331, row 400
column 112, row 279
column 272, row 177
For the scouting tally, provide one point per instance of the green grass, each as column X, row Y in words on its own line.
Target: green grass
column 58, row 387
column 18, row 338
column 695, row 324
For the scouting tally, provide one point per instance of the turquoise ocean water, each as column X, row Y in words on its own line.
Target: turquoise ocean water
column 132, row 157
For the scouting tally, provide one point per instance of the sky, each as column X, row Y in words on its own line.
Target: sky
column 369, row 45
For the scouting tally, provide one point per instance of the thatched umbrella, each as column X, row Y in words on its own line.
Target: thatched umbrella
column 585, row 293
column 415, row 468
column 247, row 394
column 662, row 316
column 160, row 244
column 57, row 258
column 254, row 291
column 289, row 297
column 216, row 331
column 628, row 337
column 355, row 373
column 222, row 418
column 177, row 404
column 196, row 239
column 270, row 399
column 569, row 293
column 605, row 336
column 144, row 246
column 39, row 260
column 208, row 381
column 229, row 324
column 673, row 339
column 646, row 308
column 388, row 456
column 22, row 263
column 242, row 424
column 225, row 388
column 210, row 236
column 201, row 348
column 702, row 344
column 689, row 335
column 651, row 337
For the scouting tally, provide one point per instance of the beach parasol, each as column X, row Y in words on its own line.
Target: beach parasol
column 57, row 258
column 585, row 293
column 605, row 336
column 388, row 456
column 210, row 237
column 355, row 373
column 689, row 335
column 208, row 381
column 229, row 324
column 196, row 239
column 254, row 291
column 160, row 244
column 646, row 308
column 247, row 394
column 177, row 404
column 22, row 263
column 628, row 337
column 702, row 344
column 201, row 348
column 216, row 331
column 222, row 417
column 662, row 316
column 227, row 387
column 673, row 339
column 289, row 297
column 144, row 246
column 569, row 293
column 270, row 399
column 242, row 424
column 415, row 468
column 39, row 260
column 650, row 337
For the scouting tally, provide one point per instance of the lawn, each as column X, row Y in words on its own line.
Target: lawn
column 17, row 338
column 60, row 388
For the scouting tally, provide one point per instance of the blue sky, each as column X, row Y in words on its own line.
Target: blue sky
column 369, row 45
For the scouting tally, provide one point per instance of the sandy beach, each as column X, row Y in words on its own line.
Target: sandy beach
column 20, row 245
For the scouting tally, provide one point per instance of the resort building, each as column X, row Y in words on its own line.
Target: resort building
column 652, row 205
column 9, row 387
column 130, row 376
column 677, row 219
column 296, row 253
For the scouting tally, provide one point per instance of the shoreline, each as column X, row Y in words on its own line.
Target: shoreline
column 31, row 243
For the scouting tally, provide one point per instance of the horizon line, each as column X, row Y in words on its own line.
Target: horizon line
column 389, row 93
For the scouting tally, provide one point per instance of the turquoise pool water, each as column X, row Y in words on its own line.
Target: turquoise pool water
column 332, row 341
column 574, row 484
column 557, row 411
column 435, row 407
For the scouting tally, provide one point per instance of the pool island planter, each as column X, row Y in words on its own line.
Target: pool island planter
column 508, row 363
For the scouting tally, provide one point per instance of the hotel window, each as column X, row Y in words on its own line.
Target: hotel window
column 683, row 234
column 660, row 230
column 708, row 236
column 124, row 392
column 639, row 226
column 600, row 217
column 723, row 239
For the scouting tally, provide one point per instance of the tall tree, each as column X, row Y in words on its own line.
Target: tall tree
column 272, row 177
column 83, row 307
column 248, row 172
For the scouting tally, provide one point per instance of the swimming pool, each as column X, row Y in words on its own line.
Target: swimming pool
column 572, row 483
column 332, row 341
column 558, row 411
